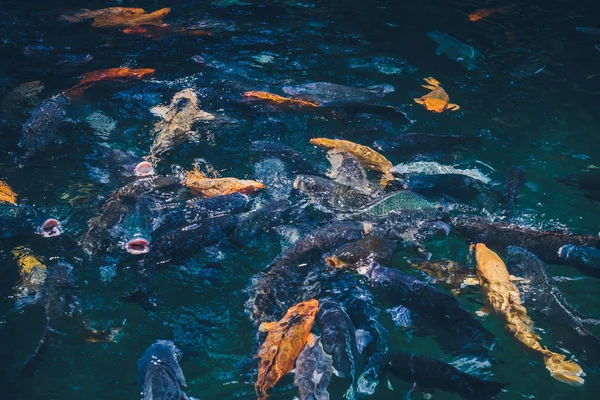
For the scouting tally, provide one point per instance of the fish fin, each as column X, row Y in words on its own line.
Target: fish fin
column 469, row 282
column 590, row 321
column 419, row 100
column 432, row 81
column 484, row 311
column 384, row 88
column 31, row 365
column 363, row 338
column 429, row 87
column 141, row 297
column 159, row 111
column 336, row 372
column 266, row 326
column 350, row 393
column 513, row 278
column 453, row 107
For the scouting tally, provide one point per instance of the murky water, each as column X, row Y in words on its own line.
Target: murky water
column 533, row 100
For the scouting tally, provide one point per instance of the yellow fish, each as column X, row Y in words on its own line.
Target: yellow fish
column 6, row 194
column 210, row 187
column 368, row 158
column 504, row 297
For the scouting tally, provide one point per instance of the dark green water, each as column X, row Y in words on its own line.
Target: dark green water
column 547, row 123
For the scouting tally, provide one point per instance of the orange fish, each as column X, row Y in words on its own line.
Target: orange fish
column 111, row 74
column 277, row 99
column 211, row 187
column 485, row 12
column 437, row 100
column 118, row 17
column 283, row 345
column 159, row 31
column 6, row 194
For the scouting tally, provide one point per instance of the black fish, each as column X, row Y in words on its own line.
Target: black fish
column 545, row 244
column 338, row 336
column 196, row 210
column 39, row 130
column 452, row 187
column 581, row 256
column 411, row 144
column 313, row 371
column 515, row 179
column 429, row 303
column 279, row 286
column 262, row 220
column 21, row 219
column 159, row 373
column 297, row 163
column 587, row 182
column 540, row 294
column 361, row 252
column 331, row 94
column 428, row 373
column 59, row 296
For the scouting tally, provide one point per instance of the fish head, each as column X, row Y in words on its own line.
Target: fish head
column 144, row 168
column 137, row 246
column 50, row 228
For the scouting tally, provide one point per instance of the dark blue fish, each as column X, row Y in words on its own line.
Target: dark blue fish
column 159, row 373
column 40, row 129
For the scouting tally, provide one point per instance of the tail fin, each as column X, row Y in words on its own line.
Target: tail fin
column 563, row 370
column 141, row 297
column 31, row 365
column 382, row 89
column 483, row 389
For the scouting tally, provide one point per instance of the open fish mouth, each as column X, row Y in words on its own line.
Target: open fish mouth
column 137, row 246
column 144, row 169
column 50, row 228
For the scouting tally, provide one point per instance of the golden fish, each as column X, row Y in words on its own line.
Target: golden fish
column 6, row 194
column 283, row 345
column 504, row 297
column 277, row 99
column 437, row 100
column 110, row 74
column 368, row 158
column 210, row 187
column 119, row 17
column 31, row 270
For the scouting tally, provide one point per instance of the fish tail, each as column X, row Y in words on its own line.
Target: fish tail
column 563, row 370
column 483, row 389
column 141, row 297
column 31, row 365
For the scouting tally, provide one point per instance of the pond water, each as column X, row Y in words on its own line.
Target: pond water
column 531, row 98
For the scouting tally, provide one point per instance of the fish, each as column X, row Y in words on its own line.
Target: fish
column 137, row 227
column 61, row 303
column 196, row 210
column 448, row 273
column 482, row 13
column 400, row 202
column 588, row 30
column 331, row 193
column 279, row 285
column 368, row 158
column 284, row 343
column 14, row 104
column 158, row 31
column 338, row 336
column 159, row 374
column 330, row 94
column 112, row 211
column 515, row 179
column 118, row 164
column 347, row 170
column 541, row 295
column 262, row 220
column 456, row 50
column 177, row 121
column 20, row 219
column 361, row 253
column 426, row 372
column 581, row 256
column 437, row 100
column 7, row 195
column 430, row 306
column 118, row 17
column 297, row 163
column 40, row 128
column 411, row 144
column 278, row 100
column 313, row 370
column 587, row 182
column 544, row 244
column 199, row 183
column 121, row 74
column 505, row 299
